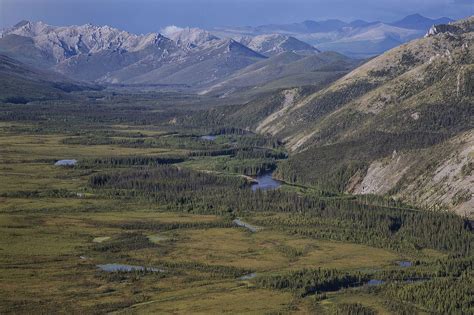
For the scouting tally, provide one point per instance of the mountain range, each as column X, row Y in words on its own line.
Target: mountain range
column 187, row 57
column 220, row 61
column 358, row 39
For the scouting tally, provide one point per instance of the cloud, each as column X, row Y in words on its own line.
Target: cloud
column 170, row 30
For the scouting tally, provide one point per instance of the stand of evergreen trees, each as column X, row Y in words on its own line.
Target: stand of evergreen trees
column 344, row 219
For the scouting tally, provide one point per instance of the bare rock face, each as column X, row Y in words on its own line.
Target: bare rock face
column 444, row 28
column 273, row 44
column 190, row 38
column 457, row 28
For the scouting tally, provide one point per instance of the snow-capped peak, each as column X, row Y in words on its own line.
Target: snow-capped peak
column 65, row 41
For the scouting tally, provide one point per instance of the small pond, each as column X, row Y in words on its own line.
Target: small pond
column 209, row 138
column 66, row 163
column 243, row 224
column 375, row 282
column 126, row 268
column 404, row 264
column 156, row 238
column 265, row 182
column 249, row 276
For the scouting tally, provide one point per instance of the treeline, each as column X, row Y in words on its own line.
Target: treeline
column 175, row 142
column 243, row 153
column 50, row 193
column 312, row 281
column 119, row 161
column 213, row 271
column 249, row 167
column 160, row 226
column 230, row 131
column 164, row 179
column 125, row 242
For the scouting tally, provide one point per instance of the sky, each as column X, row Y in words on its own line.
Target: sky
column 144, row 16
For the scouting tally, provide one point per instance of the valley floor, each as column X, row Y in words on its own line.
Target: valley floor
column 128, row 202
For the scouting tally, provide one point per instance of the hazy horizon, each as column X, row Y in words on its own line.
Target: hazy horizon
column 143, row 16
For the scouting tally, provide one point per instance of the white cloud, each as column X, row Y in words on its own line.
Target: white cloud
column 170, row 30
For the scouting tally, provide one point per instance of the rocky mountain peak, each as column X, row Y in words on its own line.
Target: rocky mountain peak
column 189, row 38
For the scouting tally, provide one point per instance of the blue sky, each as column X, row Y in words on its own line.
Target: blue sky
column 142, row 16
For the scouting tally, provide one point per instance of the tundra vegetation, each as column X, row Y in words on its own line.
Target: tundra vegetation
column 148, row 191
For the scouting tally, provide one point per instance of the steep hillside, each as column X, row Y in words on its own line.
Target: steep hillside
column 396, row 125
column 20, row 83
column 287, row 69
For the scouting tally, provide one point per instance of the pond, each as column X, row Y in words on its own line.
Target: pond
column 209, row 138
column 66, row 163
column 156, row 238
column 375, row 282
column 404, row 264
column 126, row 268
column 249, row 276
column 101, row 239
column 243, row 224
column 265, row 182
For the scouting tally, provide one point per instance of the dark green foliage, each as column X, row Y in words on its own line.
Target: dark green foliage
column 214, row 271
column 124, row 243
column 332, row 166
column 353, row 309
column 54, row 193
column 124, row 161
column 16, row 100
column 343, row 219
column 441, row 296
column 155, row 226
column 308, row 281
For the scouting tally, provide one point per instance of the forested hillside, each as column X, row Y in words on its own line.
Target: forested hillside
column 401, row 124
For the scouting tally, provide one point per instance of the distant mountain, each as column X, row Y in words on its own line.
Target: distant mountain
column 285, row 70
column 85, row 52
column 188, row 58
column 419, row 22
column 303, row 27
column 369, row 40
column 273, row 44
column 189, row 38
column 109, row 55
column 199, row 68
column 359, row 39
